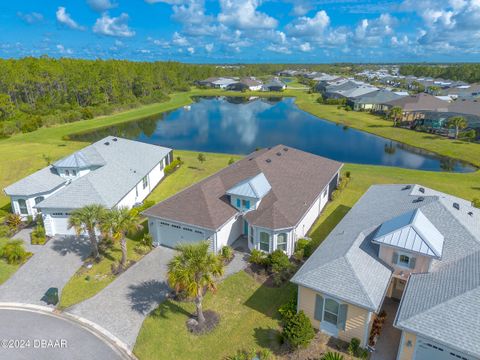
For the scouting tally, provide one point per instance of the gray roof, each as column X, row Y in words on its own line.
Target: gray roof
column 126, row 163
column 255, row 187
column 411, row 231
column 346, row 264
column 377, row 97
column 42, row 181
column 85, row 158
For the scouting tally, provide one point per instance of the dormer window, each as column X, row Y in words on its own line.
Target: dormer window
column 246, row 204
column 404, row 260
column 67, row 173
column 74, row 172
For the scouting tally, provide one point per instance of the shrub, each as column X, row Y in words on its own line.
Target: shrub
column 476, row 202
column 288, row 310
column 231, row 161
column 13, row 221
column 354, row 347
column 278, row 261
column 332, row 356
column 335, row 194
column 226, row 253
column 13, row 252
column 257, row 257
column 170, row 168
column 301, row 244
column 4, row 231
column 299, row 255
column 342, row 184
column 147, row 240
column 263, row 354
column 298, row 330
column 38, row 236
column 348, row 174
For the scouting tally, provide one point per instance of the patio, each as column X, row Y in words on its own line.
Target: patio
column 389, row 340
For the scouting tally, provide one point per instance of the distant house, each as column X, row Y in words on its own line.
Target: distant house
column 412, row 252
column 415, row 106
column 373, row 101
column 467, row 91
column 112, row 172
column 270, row 198
column 217, row 82
column 331, row 90
column 246, row 84
column 360, row 90
column 274, row 85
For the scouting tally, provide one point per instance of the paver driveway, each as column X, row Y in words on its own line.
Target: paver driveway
column 123, row 305
column 52, row 265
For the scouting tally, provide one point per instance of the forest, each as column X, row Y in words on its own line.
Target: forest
column 44, row 91
column 469, row 73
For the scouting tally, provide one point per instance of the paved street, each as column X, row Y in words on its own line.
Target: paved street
column 52, row 265
column 44, row 336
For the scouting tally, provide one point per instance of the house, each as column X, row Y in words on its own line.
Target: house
column 360, row 90
column 373, row 101
column 112, row 172
column 271, row 197
column 246, row 84
column 415, row 106
column 274, row 85
column 404, row 242
column 217, row 82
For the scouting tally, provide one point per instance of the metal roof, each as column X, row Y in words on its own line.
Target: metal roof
column 255, row 187
column 411, row 231
column 81, row 159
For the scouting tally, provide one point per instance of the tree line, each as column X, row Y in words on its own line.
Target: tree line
column 469, row 73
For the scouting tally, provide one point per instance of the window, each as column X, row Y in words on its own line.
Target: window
column 198, row 232
column 176, row 226
column 250, row 235
column 324, row 193
column 264, row 241
column 282, row 242
column 403, row 260
column 162, row 164
column 238, row 203
column 39, row 199
column 136, row 191
column 330, row 313
column 187, row 229
column 57, row 214
column 246, row 204
column 22, row 204
column 74, row 172
column 67, row 173
column 145, row 182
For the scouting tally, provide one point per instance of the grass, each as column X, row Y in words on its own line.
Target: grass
column 249, row 319
column 6, row 270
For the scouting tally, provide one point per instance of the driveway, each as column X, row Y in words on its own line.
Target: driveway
column 123, row 305
column 52, row 337
column 51, row 265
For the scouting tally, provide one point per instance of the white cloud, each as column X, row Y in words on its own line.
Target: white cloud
column 305, row 47
column 373, row 31
column 179, row 40
column 209, row 47
column 243, row 14
column 191, row 50
column 64, row 51
column 30, row 18
column 113, row 26
column 64, row 18
column 309, row 26
column 279, row 49
column 300, row 9
column 101, row 5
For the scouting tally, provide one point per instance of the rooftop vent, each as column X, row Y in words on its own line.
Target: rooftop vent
column 408, row 187
column 456, row 206
column 422, row 190
column 285, row 149
column 107, row 143
column 419, row 199
column 470, row 213
column 279, row 154
column 250, row 159
column 114, row 139
column 268, row 160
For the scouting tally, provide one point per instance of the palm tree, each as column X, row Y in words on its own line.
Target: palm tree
column 395, row 114
column 457, row 122
column 118, row 223
column 87, row 220
column 194, row 270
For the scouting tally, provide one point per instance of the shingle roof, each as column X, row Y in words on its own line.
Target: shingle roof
column 350, row 244
column 420, row 102
column 206, row 204
column 377, row 97
column 44, row 180
column 126, row 163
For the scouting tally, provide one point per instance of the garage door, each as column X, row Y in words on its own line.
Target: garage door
column 60, row 224
column 171, row 235
column 427, row 350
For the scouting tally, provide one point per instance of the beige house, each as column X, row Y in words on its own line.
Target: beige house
column 412, row 252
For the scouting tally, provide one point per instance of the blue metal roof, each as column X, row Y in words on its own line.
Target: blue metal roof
column 255, row 187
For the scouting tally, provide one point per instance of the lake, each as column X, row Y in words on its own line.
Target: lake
column 237, row 125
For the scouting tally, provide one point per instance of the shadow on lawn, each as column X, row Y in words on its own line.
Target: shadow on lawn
column 169, row 307
column 147, row 295
column 268, row 338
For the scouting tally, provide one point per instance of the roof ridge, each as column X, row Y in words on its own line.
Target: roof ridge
column 356, row 276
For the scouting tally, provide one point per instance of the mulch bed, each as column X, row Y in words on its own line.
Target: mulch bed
column 260, row 274
column 211, row 321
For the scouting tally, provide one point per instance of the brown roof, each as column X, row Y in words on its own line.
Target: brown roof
column 468, row 107
column 296, row 177
column 420, row 102
column 250, row 82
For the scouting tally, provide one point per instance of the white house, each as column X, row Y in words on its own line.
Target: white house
column 272, row 197
column 113, row 172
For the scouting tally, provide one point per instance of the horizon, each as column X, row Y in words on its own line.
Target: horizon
column 245, row 31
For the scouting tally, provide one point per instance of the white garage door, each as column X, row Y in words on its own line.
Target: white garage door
column 60, row 225
column 427, row 350
column 172, row 235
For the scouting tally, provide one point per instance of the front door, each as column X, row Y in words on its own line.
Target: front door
column 398, row 287
column 245, row 227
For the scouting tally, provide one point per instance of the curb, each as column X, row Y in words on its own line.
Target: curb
column 93, row 328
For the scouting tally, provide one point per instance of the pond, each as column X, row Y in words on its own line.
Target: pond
column 239, row 125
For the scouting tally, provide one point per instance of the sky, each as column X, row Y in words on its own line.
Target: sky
column 243, row 31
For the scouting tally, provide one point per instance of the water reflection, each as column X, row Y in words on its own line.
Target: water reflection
column 240, row 124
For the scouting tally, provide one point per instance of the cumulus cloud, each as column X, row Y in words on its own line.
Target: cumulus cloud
column 191, row 50
column 113, row 26
column 243, row 14
column 64, row 51
column 179, row 40
column 309, row 26
column 373, row 31
column 305, row 47
column 101, row 5
column 64, row 18
column 30, row 18
column 279, row 49
column 209, row 47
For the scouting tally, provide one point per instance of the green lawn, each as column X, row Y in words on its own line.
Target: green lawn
column 249, row 319
column 6, row 270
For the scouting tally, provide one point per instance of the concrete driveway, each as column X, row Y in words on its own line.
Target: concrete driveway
column 32, row 334
column 51, row 265
column 123, row 305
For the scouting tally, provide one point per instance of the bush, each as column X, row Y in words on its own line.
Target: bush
column 38, row 236
column 4, row 231
column 342, row 184
column 299, row 255
column 354, row 347
column 13, row 221
column 348, row 174
column 263, row 354
column 226, row 253
column 278, row 261
column 13, row 252
column 257, row 257
column 476, row 202
column 301, row 244
column 147, row 240
column 231, row 161
column 288, row 310
column 298, row 330
column 335, row 194
column 332, row 356
column 170, row 168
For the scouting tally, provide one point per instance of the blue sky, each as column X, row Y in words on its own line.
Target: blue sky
column 229, row 31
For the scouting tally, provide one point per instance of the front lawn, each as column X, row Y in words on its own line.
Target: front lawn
column 248, row 314
column 6, row 270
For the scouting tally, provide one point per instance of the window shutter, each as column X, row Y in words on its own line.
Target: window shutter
column 318, row 307
column 342, row 316
column 395, row 257
column 238, row 203
column 412, row 263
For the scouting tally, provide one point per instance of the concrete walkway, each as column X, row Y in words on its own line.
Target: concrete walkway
column 389, row 340
column 52, row 265
column 122, row 306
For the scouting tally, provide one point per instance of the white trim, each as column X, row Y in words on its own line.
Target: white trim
column 366, row 334
column 400, row 348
